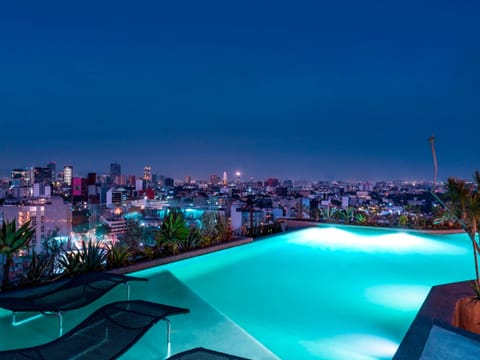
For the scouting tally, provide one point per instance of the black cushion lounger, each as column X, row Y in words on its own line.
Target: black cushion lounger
column 63, row 295
column 204, row 354
column 106, row 334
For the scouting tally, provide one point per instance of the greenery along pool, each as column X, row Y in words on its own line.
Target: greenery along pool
column 328, row 292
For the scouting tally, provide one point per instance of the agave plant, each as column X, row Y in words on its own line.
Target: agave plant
column 347, row 214
column 118, row 256
column 361, row 218
column 91, row 257
column 71, row 262
column 11, row 241
column 174, row 230
column 40, row 269
column 149, row 252
column 192, row 241
column 328, row 213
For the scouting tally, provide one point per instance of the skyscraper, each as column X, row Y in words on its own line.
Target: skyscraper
column 42, row 175
column 147, row 173
column 91, row 178
column 68, row 174
column 115, row 170
column 214, row 179
column 53, row 168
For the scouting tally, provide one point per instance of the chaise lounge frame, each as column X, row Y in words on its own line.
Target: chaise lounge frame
column 55, row 298
column 105, row 334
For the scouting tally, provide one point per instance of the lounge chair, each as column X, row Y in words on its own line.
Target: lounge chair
column 106, row 334
column 201, row 353
column 67, row 294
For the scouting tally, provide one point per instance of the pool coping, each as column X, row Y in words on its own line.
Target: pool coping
column 186, row 255
column 298, row 224
column 437, row 309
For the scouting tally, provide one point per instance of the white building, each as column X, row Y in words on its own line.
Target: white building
column 42, row 190
column 47, row 215
column 67, row 174
column 139, row 185
column 115, row 197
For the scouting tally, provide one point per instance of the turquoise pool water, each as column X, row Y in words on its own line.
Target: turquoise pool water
column 327, row 292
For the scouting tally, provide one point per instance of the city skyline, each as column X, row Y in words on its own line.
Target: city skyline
column 232, row 176
column 315, row 90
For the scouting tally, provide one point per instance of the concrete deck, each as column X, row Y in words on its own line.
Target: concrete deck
column 431, row 335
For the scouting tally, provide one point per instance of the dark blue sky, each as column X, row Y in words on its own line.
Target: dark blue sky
column 292, row 89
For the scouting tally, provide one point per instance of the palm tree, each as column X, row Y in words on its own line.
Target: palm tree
column 431, row 139
column 464, row 200
column 11, row 241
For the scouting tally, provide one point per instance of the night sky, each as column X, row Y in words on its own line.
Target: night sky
column 321, row 90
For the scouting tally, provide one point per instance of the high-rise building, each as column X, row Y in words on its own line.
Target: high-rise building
column 120, row 180
column 225, row 179
column 214, row 179
column 131, row 180
column 147, row 173
column 79, row 189
column 68, row 174
column 42, row 175
column 53, row 169
column 18, row 177
column 91, row 178
column 115, row 170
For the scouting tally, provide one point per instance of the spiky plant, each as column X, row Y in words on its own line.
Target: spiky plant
column 11, row 241
column 40, row 269
column 174, row 230
column 94, row 256
column 90, row 258
column 71, row 262
column 118, row 256
column 192, row 241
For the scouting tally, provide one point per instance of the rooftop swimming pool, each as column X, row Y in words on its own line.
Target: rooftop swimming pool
column 326, row 292
column 319, row 293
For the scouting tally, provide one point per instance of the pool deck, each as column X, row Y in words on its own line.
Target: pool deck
column 431, row 335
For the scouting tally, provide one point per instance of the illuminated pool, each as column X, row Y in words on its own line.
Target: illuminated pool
column 329, row 292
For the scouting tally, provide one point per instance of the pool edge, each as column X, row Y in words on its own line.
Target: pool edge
column 437, row 309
